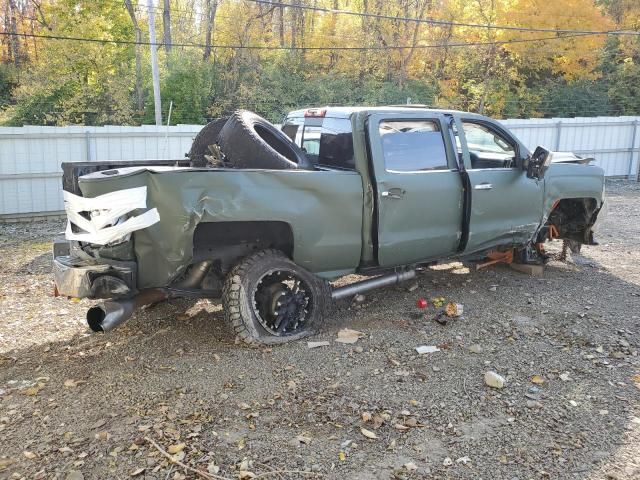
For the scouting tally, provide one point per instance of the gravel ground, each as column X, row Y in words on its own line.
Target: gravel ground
column 77, row 405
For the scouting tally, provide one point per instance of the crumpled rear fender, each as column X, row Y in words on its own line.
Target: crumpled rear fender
column 323, row 209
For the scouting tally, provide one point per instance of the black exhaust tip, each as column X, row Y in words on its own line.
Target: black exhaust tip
column 95, row 317
column 108, row 315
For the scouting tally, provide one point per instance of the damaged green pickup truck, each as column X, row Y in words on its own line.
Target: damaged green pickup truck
column 265, row 218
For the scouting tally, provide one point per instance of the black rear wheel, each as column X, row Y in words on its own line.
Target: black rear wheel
column 268, row 299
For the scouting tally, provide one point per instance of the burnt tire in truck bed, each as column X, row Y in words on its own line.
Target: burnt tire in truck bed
column 205, row 137
column 249, row 141
column 268, row 299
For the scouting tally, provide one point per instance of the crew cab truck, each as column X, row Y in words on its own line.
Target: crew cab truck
column 374, row 191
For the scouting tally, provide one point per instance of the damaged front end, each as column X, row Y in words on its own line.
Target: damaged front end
column 572, row 220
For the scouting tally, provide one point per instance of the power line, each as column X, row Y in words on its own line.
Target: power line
column 298, row 48
column 433, row 21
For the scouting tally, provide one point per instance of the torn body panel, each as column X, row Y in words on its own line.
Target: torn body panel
column 322, row 208
column 574, row 197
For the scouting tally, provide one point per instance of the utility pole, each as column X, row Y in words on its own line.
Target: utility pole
column 154, row 62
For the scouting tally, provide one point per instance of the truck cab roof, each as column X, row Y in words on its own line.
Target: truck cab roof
column 346, row 112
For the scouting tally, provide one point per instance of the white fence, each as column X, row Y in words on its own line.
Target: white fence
column 613, row 141
column 30, row 157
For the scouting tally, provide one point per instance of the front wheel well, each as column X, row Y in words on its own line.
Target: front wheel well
column 572, row 219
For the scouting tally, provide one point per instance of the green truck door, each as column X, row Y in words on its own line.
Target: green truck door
column 506, row 206
column 418, row 187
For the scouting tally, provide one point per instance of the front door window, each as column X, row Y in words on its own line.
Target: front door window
column 487, row 147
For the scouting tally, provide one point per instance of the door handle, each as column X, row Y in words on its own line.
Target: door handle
column 394, row 193
column 483, row 186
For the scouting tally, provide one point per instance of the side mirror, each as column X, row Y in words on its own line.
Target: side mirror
column 538, row 163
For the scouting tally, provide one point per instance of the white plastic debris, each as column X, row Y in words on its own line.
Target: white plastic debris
column 347, row 335
column 422, row 349
column 493, row 380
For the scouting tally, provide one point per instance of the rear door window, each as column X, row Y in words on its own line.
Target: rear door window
column 413, row 145
column 328, row 142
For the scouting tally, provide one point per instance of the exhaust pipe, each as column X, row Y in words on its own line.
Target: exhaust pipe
column 195, row 276
column 370, row 284
column 108, row 315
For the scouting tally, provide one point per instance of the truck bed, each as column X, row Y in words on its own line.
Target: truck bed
column 73, row 170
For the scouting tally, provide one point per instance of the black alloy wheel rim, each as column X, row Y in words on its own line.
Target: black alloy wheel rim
column 282, row 302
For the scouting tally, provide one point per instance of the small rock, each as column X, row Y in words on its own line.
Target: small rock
column 604, row 412
column 413, row 287
column 600, row 349
column 617, row 354
column 475, row 348
column 447, row 462
column 358, row 349
column 624, row 343
column 533, row 404
column 564, row 377
column 359, row 298
column 410, row 466
column 493, row 380
column 74, row 475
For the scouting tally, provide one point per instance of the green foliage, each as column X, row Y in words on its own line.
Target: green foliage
column 280, row 87
column 8, row 81
column 78, row 83
column 188, row 82
column 69, row 82
column 624, row 90
column 576, row 99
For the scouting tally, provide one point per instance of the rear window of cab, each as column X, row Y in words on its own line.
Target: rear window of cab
column 327, row 142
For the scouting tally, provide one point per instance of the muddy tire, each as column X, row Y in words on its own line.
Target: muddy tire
column 205, row 137
column 268, row 299
column 249, row 141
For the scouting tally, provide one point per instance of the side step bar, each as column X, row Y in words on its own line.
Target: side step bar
column 372, row 283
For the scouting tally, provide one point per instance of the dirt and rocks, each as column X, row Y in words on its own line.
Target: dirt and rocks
column 76, row 405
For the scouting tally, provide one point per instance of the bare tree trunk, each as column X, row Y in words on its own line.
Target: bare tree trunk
column 14, row 41
column 281, row 25
column 212, row 7
column 6, row 29
column 138, row 46
column 363, row 54
column 414, row 42
column 294, row 23
column 491, row 53
column 166, row 25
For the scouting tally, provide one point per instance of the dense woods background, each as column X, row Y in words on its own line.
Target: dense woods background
column 271, row 57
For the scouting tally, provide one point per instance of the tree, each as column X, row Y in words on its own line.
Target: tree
column 211, row 8
column 79, row 83
column 166, row 28
column 138, row 50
